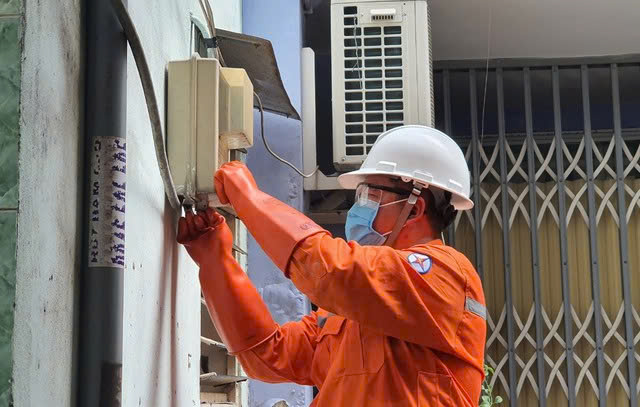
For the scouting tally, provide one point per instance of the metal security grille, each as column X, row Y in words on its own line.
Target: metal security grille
column 373, row 72
column 555, row 163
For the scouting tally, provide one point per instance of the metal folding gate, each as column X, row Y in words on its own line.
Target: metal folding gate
column 554, row 151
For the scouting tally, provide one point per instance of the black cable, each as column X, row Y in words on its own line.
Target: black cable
column 150, row 97
column 152, row 106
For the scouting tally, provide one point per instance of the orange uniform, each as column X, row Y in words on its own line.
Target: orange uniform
column 396, row 327
column 405, row 328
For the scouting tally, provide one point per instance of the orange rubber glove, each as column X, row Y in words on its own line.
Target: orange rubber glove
column 277, row 227
column 241, row 317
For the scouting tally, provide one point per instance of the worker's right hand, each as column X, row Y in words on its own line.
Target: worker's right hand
column 205, row 235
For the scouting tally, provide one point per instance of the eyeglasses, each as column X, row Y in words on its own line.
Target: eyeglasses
column 373, row 193
column 397, row 191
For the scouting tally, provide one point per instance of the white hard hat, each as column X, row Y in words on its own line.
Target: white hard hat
column 417, row 154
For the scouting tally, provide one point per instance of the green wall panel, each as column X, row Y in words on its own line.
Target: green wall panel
column 10, row 6
column 7, row 296
column 10, row 50
column 10, row 58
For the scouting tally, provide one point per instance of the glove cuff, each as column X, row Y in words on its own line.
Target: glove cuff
column 277, row 227
column 235, row 306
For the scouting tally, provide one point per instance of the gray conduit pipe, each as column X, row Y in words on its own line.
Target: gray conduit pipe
column 108, row 27
column 99, row 380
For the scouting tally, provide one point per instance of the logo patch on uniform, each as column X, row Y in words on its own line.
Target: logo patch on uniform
column 420, row 262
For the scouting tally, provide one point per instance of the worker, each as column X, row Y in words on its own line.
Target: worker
column 401, row 318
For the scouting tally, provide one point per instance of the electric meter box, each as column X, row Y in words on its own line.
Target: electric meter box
column 209, row 112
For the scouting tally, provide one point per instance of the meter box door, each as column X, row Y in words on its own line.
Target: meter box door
column 209, row 112
column 381, row 73
column 193, row 123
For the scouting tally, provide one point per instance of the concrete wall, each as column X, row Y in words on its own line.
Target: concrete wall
column 162, row 309
column 48, row 225
column 280, row 22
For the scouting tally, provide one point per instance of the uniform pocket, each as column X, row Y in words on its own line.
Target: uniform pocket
column 332, row 326
column 327, row 346
column 364, row 349
column 434, row 389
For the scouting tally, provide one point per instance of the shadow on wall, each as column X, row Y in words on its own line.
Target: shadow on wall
column 168, row 281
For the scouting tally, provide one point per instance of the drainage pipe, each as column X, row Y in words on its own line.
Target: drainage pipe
column 102, row 274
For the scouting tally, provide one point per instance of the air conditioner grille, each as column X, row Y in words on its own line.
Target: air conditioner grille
column 374, row 81
column 430, row 70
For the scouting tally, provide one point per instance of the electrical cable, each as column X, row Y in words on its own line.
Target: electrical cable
column 205, row 11
column 152, row 104
column 276, row 156
column 150, row 97
column 208, row 13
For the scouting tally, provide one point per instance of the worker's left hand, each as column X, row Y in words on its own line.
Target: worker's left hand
column 234, row 181
column 203, row 235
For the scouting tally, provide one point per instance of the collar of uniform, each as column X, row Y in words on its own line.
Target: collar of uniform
column 435, row 242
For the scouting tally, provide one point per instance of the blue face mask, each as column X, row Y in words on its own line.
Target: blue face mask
column 359, row 225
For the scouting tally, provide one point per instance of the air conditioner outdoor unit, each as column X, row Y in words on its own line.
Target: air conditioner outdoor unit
column 381, row 73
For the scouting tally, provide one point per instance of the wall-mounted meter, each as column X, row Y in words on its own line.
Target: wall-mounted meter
column 209, row 112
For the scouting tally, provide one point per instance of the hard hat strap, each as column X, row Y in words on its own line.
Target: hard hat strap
column 404, row 215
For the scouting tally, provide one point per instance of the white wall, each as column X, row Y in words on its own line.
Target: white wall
column 162, row 310
column 534, row 28
column 162, row 294
column 48, row 226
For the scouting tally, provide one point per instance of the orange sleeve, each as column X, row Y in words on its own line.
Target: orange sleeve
column 286, row 356
column 377, row 287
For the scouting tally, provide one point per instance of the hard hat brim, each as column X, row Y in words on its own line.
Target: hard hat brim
column 352, row 179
